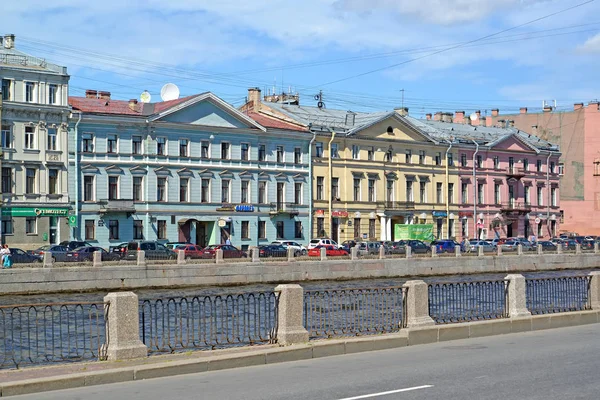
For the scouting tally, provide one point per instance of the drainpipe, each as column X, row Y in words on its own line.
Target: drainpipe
column 77, row 178
column 475, row 187
column 310, row 188
column 548, row 189
column 330, row 182
column 447, row 191
column 146, row 151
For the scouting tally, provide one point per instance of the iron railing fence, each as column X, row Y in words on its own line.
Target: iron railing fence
column 558, row 294
column 452, row 302
column 346, row 312
column 33, row 334
column 208, row 322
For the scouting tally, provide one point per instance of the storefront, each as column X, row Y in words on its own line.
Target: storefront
column 29, row 227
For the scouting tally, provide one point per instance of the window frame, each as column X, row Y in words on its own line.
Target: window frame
column 89, row 228
column 30, row 186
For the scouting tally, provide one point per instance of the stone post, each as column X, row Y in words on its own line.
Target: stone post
column 289, row 317
column 48, row 260
column 141, row 258
column 499, row 250
column 559, row 248
column 596, row 248
column 381, row 252
column 323, row 251
column 540, row 249
column 434, row 251
column 123, row 327
column 595, row 290
column 578, row 248
column 255, row 254
column 408, row 251
column 417, row 305
column 219, row 256
column 291, row 256
column 180, row 257
column 480, row 251
column 517, row 306
column 354, row 253
column 457, row 252
column 519, row 249
column 97, row 259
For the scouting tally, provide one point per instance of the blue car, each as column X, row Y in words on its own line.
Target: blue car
column 444, row 246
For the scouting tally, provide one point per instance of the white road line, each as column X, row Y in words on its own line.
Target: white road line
column 367, row 396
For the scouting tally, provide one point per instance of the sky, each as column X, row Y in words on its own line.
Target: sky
column 364, row 55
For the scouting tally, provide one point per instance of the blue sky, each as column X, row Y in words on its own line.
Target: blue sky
column 227, row 46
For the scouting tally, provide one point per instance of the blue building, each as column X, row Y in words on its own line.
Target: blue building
column 193, row 170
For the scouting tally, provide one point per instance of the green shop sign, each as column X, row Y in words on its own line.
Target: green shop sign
column 34, row 212
column 414, row 231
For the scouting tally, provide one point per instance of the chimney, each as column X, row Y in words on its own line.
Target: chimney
column 477, row 120
column 447, row 117
column 350, row 117
column 488, row 121
column 254, row 99
column 133, row 104
column 91, row 94
column 437, row 116
column 523, row 110
column 547, row 109
column 534, row 129
column 428, row 116
column 9, row 41
column 577, row 106
column 459, row 117
column 495, row 112
column 104, row 95
column 402, row 111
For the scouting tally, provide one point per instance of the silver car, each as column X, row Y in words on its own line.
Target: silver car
column 487, row 246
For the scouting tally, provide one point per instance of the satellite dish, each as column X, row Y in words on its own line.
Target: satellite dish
column 145, row 97
column 473, row 117
column 169, row 92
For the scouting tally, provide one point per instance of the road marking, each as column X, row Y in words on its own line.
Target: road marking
column 367, row 396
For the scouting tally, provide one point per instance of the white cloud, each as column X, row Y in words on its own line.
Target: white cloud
column 592, row 45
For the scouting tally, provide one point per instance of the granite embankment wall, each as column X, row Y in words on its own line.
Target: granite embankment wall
column 120, row 277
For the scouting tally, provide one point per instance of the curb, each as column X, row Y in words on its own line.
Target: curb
column 220, row 359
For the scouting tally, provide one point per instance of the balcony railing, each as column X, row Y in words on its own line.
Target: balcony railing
column 514, row 206
column 398, row 205
column 515, row 172
column 116, row 206
column 284, row 208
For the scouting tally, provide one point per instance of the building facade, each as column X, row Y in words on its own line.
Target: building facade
column 187, row 170
column 34, row 127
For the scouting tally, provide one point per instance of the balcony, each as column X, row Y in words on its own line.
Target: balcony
column 284, row 208
column 116, row 206
column 516, row 207
column 514, row 172
column 399, row 205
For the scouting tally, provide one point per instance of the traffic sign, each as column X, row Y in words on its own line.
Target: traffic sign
column 72, row 221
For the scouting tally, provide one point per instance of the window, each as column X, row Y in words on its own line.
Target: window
column 113, row 187
column 561, row 169
column 280, row 229
column 225, row 151
column 7, row 180
column 111, row 143
column 356, row 228
column 390, row 190
column 262, row 152
column 496, row 162
column 319, row 149
column 423, row 191
column 298, row 230
column 161, row 146
column 30, row 225
column 183, row 148
column 30, row 180
column 371, row 229
column 335, row 188
column 280, row 154
column 320, row 226
column 205, row 191
column 371, row 153
column 262, row 229
column 334, row 151
column 7, row 226
column 88, row 188
column 463, row 160
column 225, row 191
column 51, row 139
column 526, row 164
column 52, row 181
column 464, row 189
column 496, row 193
column 90, row 229
column 356, row 189
column 439, row 193
column 184, row 184
column 355, row 152
column 526, row 195
column 245, row 230
column 136, row 145
column 6, row 137
column 161, row 189
column 161, row 229
column 511, row 163
column 422, row 156
column 262, row 192
column 297, row 155
column 371, row 194
column 138, row 229
column 409, row 190
column 480, row 193
column 553, row 199
column 298, row 193
column 479, row 161
column 540, row 196
column 113, row 229
column 450, row 193
column 320, row 181
column 408, row 156
column 245, row 151
column 52, row 94
column 552, row 167
column 438, row 158
column 245, row 192
column 6, row 84
column 30, row 137
column 538, row 165
column 137, row 188
column 29, row 92
column 205, row 149
column 450, row 160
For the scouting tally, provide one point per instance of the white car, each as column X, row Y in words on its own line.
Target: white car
column 299, row 250
column 322, row 242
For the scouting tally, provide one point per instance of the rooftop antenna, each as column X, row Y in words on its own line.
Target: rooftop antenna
column 319, row 98
column 170, row 91
column 402, row 90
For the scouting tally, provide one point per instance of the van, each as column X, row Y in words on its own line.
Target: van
column 322, row 242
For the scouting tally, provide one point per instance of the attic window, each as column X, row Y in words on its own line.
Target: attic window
column 390, row 130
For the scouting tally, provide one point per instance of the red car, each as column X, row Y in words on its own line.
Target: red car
column 330, row 251
column 229, row 251
column 190, row 251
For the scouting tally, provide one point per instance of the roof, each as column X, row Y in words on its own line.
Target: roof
column 16, row 59
column 122, row 107
column 269, row 122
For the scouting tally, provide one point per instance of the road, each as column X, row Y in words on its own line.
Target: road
column 545, row 365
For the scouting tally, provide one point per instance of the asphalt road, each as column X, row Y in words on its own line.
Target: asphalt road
column 545, row 365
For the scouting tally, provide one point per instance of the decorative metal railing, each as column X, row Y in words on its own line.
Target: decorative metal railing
column 558, row 294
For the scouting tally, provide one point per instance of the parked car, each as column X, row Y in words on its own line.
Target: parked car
column 570, row 244
column 120, row 249
column 510, row 245
column 59, row 253
column 322, row 242
column 444, row 246
column 587, row 244
column 547, row 245
column 21, row 257
column 348, row 244
column 556, row 240
column 86, row 253
column 72, row 245
column 299, row 250
column 330, row 251
column 174, row 245
column 190, row 251
column 488, row 247
column 368, row 248
column 229, row 251
column 418, row 247
column 152, row 250
column 525, row 244
column 398, row 247
column 272, row 250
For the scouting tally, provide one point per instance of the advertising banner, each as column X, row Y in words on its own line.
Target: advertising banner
column 414, row 231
